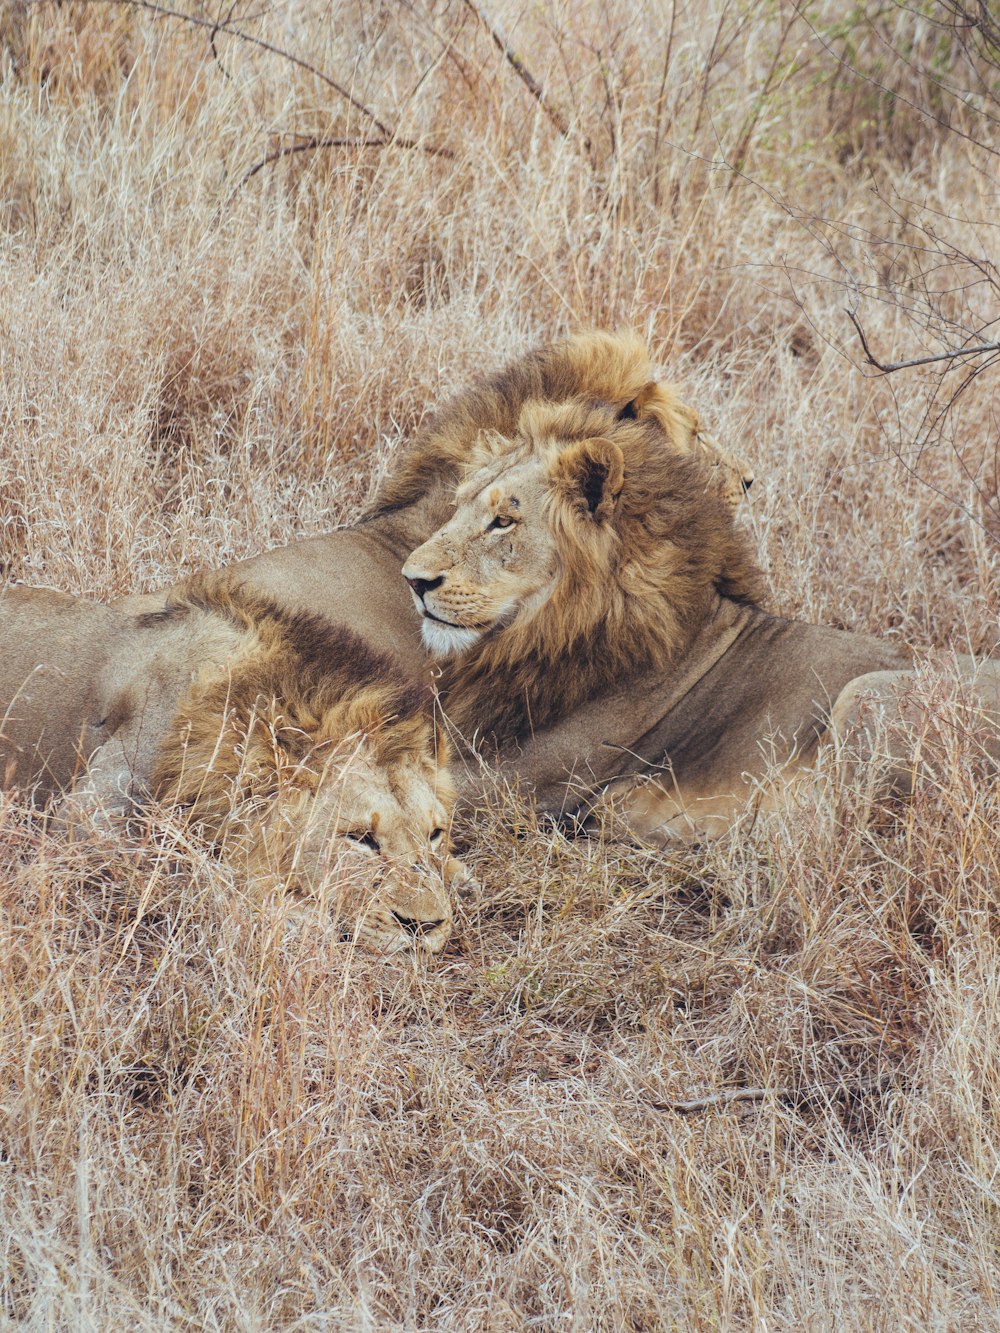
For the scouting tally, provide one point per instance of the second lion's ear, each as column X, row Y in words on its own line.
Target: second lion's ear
column 639, row 406
column 590, row 475
column 657, row 401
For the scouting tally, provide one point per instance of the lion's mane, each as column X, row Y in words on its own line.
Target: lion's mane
column 598, row 367
column 300, row 684
column 632, row 593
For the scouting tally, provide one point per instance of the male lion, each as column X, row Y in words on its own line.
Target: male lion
column 598, row 608
column 352, row 575
column 281, row 737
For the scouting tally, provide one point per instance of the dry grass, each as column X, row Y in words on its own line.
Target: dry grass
column 213, row 1118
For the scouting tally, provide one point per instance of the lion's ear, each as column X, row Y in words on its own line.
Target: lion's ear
column 490, row 444
column 659, row 401
column 639, row 406
column 591, row 475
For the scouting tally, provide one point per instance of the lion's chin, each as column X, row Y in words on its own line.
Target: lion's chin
column 447, row 640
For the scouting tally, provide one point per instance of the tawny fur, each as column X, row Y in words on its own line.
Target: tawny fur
column 634, row 589
column 300, row 687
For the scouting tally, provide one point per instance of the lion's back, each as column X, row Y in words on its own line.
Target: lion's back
column 53, row 648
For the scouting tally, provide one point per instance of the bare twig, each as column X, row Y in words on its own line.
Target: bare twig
column 889, row 367
column 211, row 42
column 975, row 17
column 521, row 70
column 730, row 1095
column 350, row 141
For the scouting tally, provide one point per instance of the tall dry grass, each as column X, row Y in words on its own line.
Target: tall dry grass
column 215, row 1117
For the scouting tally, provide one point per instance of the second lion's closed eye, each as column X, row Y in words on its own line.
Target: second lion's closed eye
column 366, row 839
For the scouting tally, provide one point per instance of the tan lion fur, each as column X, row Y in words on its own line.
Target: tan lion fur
column 635, row 577
column 53, row 648
column 353, row 575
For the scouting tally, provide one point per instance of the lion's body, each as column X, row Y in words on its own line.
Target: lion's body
column 68, row 668
column 277, row 734
column 600, row 615
column 684, row 751
column 52, row 650
column 352, row 576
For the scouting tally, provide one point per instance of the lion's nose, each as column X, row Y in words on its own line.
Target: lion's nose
column 414, row 927
column 420, row 586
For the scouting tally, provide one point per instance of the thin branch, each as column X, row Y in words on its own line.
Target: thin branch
column 387, row 137
column 211, row 41
column 317, row 142
column 216, row 26
column 730, row 1095
column 888, row 367
column 521, row 70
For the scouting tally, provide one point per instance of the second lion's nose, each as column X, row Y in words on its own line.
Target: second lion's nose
column 420, row 586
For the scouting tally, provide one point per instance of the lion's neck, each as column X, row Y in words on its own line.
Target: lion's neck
column 505, row 697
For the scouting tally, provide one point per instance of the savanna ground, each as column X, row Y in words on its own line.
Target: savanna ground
column 215, row 1119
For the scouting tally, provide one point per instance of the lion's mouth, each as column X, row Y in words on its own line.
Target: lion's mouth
column 451, row 624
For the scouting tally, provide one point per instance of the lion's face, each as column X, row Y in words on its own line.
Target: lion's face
column 546, row 520
column 494, row 560
column 732, row 476
column 369, row 840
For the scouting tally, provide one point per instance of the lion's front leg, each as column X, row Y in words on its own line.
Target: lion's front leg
column 658, row 810
column 101, row 796
column 116, row 777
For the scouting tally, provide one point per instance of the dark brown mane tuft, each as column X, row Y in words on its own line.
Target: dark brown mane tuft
column 305, row 651
column 606, row 368
column 300, row 682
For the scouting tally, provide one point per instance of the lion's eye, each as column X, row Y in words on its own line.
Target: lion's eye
column 501, row 523
column 437, row 835
column 368, row 840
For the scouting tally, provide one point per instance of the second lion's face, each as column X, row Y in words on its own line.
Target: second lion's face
column 368, row 840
